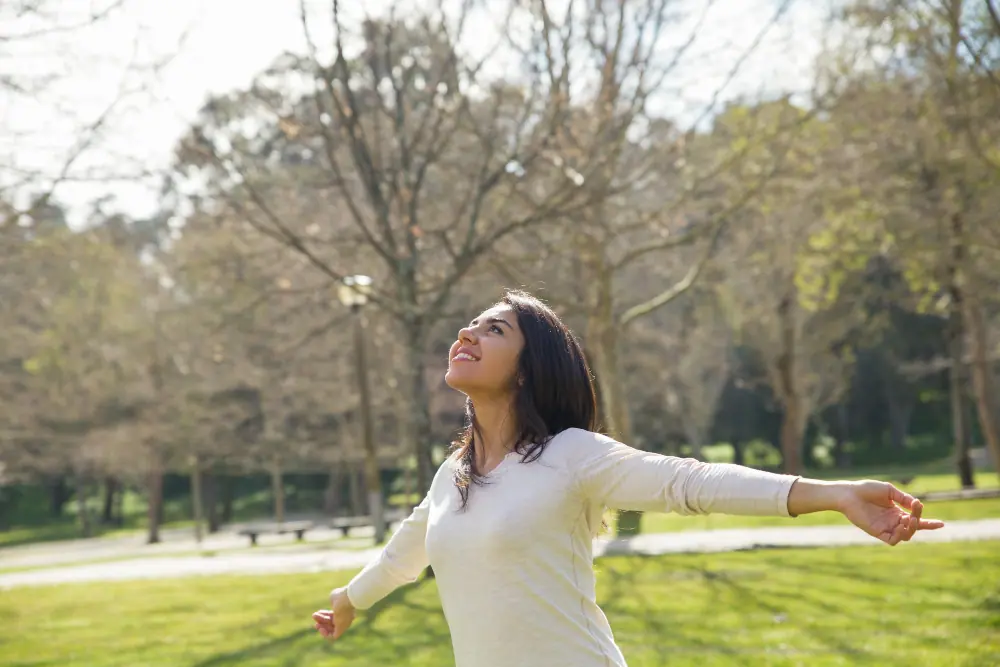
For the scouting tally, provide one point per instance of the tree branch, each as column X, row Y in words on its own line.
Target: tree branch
column 679, row 288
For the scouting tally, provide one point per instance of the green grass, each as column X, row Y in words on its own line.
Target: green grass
column 933, row 605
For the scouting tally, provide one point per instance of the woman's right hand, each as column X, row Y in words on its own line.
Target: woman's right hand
column 333, row 622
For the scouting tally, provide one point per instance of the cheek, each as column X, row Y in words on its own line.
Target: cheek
column 503, row 363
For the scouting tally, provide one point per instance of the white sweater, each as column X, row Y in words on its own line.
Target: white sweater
column 515, row 568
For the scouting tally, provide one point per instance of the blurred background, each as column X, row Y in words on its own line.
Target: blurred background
column 238, row 238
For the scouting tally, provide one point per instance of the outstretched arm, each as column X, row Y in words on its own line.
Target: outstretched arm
column 400, row 562
column 614, row 475
column 622, row 477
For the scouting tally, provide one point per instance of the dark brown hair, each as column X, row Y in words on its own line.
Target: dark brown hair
column 555, row 389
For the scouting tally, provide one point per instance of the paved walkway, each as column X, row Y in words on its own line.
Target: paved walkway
column 168, row 560
column 174, row 541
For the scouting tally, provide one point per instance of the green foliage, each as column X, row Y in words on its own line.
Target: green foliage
column 841, row 248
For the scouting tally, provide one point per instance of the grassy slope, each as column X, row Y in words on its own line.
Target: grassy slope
column 916, row 605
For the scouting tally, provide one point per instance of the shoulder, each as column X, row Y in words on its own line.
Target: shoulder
column 575, row 445
column 449, row 465
column 446, row 470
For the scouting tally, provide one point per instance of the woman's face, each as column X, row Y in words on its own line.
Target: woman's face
column 483, row 361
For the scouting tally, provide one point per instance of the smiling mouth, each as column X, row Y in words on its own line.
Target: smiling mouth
column 462, row 356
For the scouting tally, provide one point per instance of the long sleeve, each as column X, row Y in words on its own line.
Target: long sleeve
column 621, row 477
column 401, row 561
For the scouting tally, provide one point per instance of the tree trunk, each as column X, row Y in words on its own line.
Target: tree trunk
column 695, row 440
column 331, row 496
column 956, row 384
column 419, row 410
column 795, row 415
column 278, row 490
column 373, row 479
column 614, row 406
column 196, row 497
column 841, row 457
column 602, row 338
column 119, row 511
column 409, row 474
column 155, row 509
column 900, row 413
column 111, row 487
column 792, row 429
column 356, row 482
column 82, row 513
column 210, row 485
column 227, row 498
column 58, row 495
column 957, row 325
column 982, row 377
column 738, row 452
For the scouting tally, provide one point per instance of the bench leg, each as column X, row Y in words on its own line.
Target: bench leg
column 343, row 531
column 299, row 534
column 253, row 539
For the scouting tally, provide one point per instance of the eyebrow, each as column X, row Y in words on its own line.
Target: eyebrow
column 492, row 320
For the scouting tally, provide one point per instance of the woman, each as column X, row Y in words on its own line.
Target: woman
column 509, row 519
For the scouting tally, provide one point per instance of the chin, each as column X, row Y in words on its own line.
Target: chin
column 457, row 382
column 452, row 381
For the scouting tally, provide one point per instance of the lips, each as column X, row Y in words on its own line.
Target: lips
column 464, row 354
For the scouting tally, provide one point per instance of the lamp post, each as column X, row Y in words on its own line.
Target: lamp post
column 353, row 292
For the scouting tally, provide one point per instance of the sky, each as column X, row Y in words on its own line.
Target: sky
column 150, row 66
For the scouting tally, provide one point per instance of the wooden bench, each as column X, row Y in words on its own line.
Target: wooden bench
column 297, row 527
column 345, row 523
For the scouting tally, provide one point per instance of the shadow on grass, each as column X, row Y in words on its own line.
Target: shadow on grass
column 389, row 633
column 645, row 611
column 258, row 650
column 751, row 590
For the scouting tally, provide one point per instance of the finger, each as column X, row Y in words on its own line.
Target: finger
column 322, row 615
column 930, row 524
column 897, row 534
column 901, row 497
column 913, row 521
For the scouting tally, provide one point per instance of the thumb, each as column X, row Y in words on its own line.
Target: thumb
column 901, row 497
column 340, row 628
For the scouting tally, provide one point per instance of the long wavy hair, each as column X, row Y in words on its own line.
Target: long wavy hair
column 554, row 390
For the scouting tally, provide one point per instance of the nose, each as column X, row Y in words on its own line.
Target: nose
column 467, row 335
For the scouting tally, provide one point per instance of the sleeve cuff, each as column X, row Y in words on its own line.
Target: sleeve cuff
column 787, row 482
column 353, row 597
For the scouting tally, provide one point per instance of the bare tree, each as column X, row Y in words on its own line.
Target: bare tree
column 48, row 136
column 427, row 161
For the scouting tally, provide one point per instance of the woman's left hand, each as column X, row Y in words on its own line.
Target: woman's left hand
column 880, row 509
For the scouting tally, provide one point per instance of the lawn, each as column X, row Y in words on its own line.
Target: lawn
column 916, row 605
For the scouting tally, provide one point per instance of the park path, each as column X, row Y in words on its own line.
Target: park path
column 326, row 557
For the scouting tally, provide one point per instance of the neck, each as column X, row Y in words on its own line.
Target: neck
column 497, row 428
